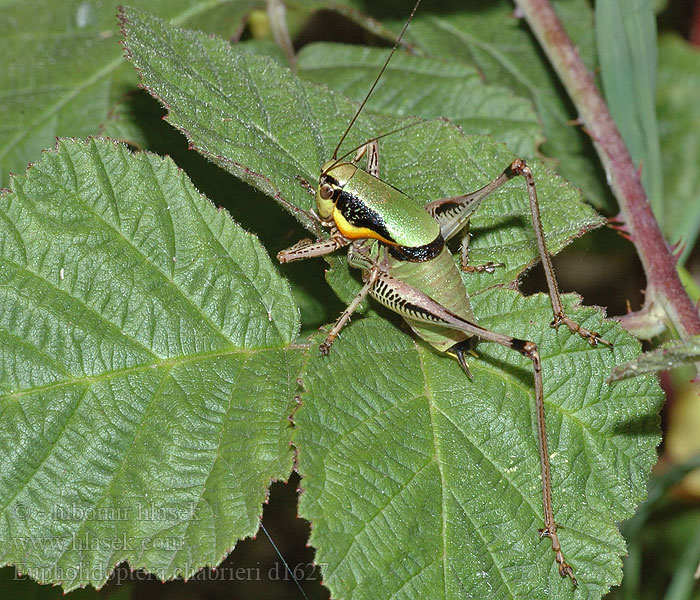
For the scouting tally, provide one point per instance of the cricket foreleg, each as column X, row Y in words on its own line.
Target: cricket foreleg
column 307, row 249
column 306, row 185
column 413, row 304
column 342, row 320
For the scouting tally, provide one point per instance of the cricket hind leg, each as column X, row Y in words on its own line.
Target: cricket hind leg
column 453, row 215
column 414, row 304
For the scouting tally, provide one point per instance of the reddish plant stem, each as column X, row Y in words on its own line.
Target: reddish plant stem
column 694, row 37
column 663, row 284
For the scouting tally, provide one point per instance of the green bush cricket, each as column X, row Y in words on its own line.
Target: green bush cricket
column 401, row 251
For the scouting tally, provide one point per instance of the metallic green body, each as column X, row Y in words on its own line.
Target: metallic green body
column 408, row 223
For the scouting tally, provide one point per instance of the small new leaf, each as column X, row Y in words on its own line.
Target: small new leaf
column 670, row 356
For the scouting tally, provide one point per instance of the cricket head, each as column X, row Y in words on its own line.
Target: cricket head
column 334, row 176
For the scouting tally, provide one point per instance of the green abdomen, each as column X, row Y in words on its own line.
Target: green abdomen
column 439, row 278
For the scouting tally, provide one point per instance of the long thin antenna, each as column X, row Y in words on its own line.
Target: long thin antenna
column 374, row 139
column 286, row 566
column 359, row 110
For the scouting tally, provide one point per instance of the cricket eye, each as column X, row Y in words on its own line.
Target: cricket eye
column 326, row 191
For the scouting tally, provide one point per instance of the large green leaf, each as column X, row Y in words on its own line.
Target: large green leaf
column 423, row 484
column 145, row 379
column 63, row 68
column 255, row 119
column 413, row 85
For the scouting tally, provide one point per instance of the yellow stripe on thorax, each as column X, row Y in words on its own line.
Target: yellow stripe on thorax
column 355, row 233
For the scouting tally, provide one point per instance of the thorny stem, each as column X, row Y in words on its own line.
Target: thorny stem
column 663, row 284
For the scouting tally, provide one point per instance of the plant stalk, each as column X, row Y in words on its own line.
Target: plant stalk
column 663, row 283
